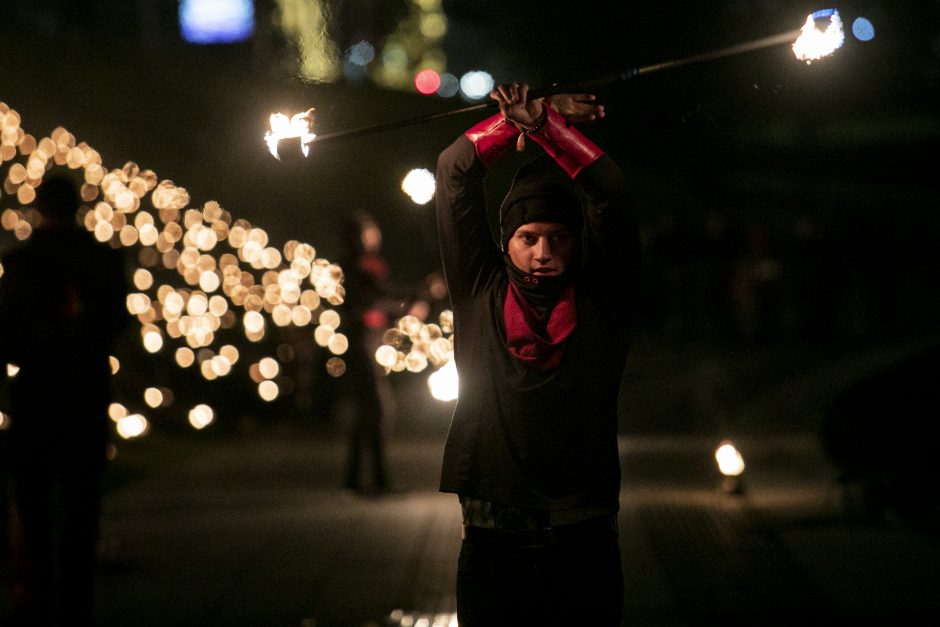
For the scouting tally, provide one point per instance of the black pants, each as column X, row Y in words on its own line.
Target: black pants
column 55, row 507
column 574, row 579
column 370, row 396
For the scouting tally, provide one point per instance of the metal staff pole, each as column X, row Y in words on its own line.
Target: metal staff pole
column 574, row 87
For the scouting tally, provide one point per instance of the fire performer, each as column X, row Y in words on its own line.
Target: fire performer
column 541, row 323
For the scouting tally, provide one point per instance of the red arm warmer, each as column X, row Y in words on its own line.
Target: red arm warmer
column 566, row 145
column 492, row 138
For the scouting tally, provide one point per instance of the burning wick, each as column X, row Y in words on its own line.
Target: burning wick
column 814, row 43
column 283, row 127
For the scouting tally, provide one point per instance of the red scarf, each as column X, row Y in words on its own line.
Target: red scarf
column 535, row 343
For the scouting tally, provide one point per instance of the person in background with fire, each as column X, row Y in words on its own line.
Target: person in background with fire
column 541, row 321
column 62, row 307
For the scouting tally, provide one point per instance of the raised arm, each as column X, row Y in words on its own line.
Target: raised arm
column 469, row 254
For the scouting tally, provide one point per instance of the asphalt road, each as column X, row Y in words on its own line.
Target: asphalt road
column 253, row 530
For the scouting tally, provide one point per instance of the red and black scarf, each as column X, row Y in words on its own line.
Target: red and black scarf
column 536, row 332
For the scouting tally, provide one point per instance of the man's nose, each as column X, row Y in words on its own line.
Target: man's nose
column 543, row 249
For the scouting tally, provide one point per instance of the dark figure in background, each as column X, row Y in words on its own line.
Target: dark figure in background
column 541, row 323
column 62, row 306
column 371, row 308
column 879, row 432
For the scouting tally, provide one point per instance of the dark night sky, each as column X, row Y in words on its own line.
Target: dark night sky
column 759, row 137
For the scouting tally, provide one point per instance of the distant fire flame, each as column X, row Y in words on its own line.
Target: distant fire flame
column 297, row 126
column 814, row 43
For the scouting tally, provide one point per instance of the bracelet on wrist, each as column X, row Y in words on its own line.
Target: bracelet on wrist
column 528, row 131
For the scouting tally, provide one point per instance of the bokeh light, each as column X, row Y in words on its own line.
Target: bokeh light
column 729, row 459
column 449, row 87
column 268, row 367
column 412, row 346
column 201, row 273
column 476, row 84
column 132, row 426
column 216, row 21
column 201, row 416
column 335, row 366
column 427, row 81
column 153, row 397
column 305, row 24
column 863, row 29
column 419, row 185
column 443, row 383
column 362, row 53
column 268, row 390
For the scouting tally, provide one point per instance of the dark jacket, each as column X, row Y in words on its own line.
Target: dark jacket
column 62, row 306
column 538, row 440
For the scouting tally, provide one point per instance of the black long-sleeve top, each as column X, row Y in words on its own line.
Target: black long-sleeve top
column 546, row 441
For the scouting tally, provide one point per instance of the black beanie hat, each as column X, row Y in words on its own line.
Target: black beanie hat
column 540, row 192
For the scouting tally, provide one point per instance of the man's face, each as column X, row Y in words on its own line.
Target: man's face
column 541, row 248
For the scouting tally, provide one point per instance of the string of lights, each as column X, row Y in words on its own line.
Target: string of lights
column 200, row 271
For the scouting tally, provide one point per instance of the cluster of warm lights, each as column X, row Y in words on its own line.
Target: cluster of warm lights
column 412, row 619
column 227, row 273
column 411, row 345
column 264, row 373
column 128, row 425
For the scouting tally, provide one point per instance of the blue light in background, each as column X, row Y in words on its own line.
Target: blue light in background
column 362, row 53
column 216, row 21
column 863, row 29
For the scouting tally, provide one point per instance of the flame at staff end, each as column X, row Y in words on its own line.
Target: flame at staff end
column 298, row 125
column 814, row 43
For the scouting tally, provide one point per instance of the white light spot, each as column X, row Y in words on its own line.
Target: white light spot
column 443, row 383
column 476, row 84
column 419, row 185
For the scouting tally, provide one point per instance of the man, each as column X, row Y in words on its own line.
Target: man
column 62, row 305
column 541, row 327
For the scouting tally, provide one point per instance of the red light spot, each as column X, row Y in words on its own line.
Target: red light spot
column 427, row 81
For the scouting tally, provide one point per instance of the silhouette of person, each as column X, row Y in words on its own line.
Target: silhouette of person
column 62, row 305
column 372, row 302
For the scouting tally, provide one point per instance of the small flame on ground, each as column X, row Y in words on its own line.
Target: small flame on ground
column 282, row 127
column 814, row 43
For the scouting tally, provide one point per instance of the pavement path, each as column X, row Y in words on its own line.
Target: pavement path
column 253, row 531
